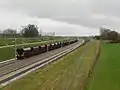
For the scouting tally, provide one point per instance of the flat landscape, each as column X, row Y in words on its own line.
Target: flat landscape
column 67, row 73
column 106, row 74
column 59, row 45
column 73, row 71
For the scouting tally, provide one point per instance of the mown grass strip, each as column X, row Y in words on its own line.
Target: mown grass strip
column 84, row 68
column 106, row 74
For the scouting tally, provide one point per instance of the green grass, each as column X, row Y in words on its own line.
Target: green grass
column 63, row 74
column 106, row 74
column 10, row 41
column 9, row 52
column 87, row 61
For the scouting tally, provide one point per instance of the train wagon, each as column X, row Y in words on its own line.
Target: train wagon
column 32, row 51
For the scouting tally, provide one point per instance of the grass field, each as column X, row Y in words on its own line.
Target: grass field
column 67, row 73
column 10, row 41
column 9, row 52
column 106, row 74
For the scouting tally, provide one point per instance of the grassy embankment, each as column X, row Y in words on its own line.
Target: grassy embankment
column 106, row 74
column 67, row 73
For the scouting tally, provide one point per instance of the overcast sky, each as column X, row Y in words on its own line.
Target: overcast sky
column 65, row 17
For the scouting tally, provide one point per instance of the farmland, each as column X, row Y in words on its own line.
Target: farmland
column 67, row 73
column 106, row 74
column 10, row 41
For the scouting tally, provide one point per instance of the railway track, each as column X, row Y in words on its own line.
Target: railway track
column 35, row 58
column 15, row 69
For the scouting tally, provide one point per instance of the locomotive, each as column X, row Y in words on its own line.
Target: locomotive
column 23, row 53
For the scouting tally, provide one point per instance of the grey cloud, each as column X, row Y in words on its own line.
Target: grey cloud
column 72, row 11
column 65, row 10
column 52, row 8
column 48, row 8
column 108, row 7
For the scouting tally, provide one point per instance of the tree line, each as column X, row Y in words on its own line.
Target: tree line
column 107, row 34
column 29, row 30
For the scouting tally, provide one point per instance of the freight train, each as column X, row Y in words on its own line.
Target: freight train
column 23, row 53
